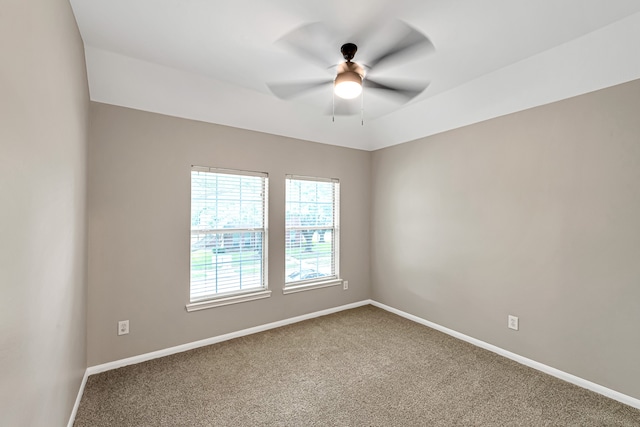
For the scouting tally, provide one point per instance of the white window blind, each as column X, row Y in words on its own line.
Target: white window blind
column 228, row 232
column 312, row 229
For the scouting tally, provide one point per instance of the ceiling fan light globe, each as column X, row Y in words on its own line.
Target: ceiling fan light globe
column 348, row 90
column 348, row 85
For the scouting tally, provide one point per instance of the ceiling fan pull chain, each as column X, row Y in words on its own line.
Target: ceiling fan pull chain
column 333, row 106
column 362, row 106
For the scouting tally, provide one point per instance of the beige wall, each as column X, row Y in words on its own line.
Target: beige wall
column 139, row 219
column 43, row 137
column 535, row 214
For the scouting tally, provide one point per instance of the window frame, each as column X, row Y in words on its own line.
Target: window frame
column 326, row 281
column 232, row 297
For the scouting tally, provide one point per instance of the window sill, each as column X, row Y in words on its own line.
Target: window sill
column 233, row 299
column 291, row 289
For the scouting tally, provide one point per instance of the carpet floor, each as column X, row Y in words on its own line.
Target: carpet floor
column 360, row 367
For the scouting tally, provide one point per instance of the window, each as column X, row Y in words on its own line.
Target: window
column 228, row 237
column 312, row 233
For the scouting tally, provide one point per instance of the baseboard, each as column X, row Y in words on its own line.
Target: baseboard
column 612, row 394
column 213, row 340
column 74, row 411
column 620, row 397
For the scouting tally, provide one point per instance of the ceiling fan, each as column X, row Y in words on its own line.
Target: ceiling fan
column 351, row 77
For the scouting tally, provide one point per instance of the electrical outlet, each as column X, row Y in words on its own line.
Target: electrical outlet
column 345, row 284
column 513, row 322
column 123, row 327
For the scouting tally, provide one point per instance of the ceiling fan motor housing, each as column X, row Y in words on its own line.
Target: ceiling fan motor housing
column 348, row 82
column 351, row 69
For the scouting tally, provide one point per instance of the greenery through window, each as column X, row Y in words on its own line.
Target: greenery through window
column 228, row 232
column 312, row 232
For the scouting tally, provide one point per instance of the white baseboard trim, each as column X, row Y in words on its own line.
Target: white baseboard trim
column 615, row 395
column 74, row 411
column 620, row 397
column 213, row 340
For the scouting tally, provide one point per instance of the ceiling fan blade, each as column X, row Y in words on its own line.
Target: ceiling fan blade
column 404, row 92
column 291, row 90
column 377, row 22
column 313, row 42
column 407, row 39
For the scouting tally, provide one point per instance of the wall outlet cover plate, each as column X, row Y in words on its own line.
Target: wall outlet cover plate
column 513, row 322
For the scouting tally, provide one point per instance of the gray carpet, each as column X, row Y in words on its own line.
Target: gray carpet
column 361, row 367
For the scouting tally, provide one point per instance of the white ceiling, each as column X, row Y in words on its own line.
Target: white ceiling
column 210, row 60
